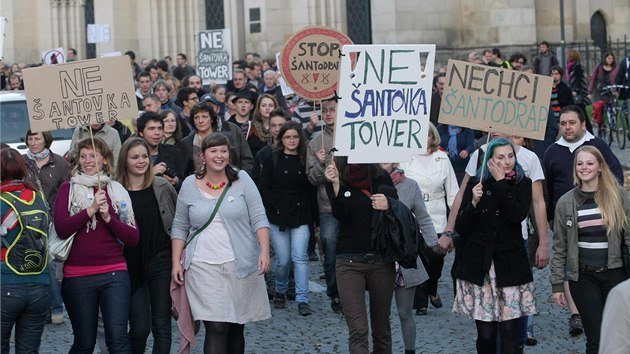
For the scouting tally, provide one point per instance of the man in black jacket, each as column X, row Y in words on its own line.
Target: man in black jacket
column 165, row 158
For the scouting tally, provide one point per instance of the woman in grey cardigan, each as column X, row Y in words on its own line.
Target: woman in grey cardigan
column 224, row 263
column 408, row 279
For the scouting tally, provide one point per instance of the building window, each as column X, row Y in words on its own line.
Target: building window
column 254, row 20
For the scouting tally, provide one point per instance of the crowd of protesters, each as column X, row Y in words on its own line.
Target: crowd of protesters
column 209, row 207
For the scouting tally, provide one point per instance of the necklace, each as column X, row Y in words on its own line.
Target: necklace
column 217, row 186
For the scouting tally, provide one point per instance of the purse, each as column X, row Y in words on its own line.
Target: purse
column 57, row 247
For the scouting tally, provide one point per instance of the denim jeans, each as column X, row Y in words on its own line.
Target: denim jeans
column 25, row 306
column 328, row 232
column 83, row 296
column 54, row 299
column 589, row 294
column 291, row 245
column 150, row 309
column 354, row 277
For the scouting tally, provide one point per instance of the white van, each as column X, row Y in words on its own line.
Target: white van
column 14, row 123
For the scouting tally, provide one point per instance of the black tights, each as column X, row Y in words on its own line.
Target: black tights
column 224, row 337
column 487, row 336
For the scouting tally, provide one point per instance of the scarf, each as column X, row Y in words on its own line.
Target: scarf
column 12, row 185
column 397, row 175
column 567, row 73
column 39, row 156
column 259, row 130
column 82, row 195
column 359, row 176
column 452, row 141
column 510, row 176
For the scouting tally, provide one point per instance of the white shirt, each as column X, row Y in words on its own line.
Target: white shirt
column 213, row 244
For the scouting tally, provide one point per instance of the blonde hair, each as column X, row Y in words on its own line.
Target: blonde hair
column 607, row 196
column 102, row 148
column 436, row 138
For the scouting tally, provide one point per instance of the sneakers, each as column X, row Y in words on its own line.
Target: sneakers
column 575, row 325
column 304, row 309
column 335, row 305
column 56, row 319
column 279, row 301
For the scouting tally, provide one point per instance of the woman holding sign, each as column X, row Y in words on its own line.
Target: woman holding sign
column 494, row 282
column 356, row 192
column 96, row 211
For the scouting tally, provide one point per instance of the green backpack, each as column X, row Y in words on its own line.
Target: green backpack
column 28, row 254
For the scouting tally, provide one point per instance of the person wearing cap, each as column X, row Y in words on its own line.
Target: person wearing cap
column 206, row 121
column 244, row 101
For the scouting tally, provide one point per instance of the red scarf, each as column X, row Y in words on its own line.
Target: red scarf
column 397, row 176
column 359, row 176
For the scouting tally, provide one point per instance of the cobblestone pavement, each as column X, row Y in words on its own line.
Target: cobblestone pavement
column 325, row 332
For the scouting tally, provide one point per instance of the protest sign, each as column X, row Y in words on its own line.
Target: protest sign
column 79, row 93
column 494, row 99
column 310, row 61
column 54, row 56
column 385, row 102
column 98, row 33
column 286, row 89
column 214, row 56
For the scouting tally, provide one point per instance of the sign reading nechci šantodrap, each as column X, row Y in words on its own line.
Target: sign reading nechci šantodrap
column 310, row 61
column 214, row 56
column 495, row 99
column 385, row 102
column 79, row 93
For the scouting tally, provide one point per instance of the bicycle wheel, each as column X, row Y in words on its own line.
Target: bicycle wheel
column 622, row 129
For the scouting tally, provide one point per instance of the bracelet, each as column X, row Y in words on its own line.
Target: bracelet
column 448, row 234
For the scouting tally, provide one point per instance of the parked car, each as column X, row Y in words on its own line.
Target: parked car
column 14, row 123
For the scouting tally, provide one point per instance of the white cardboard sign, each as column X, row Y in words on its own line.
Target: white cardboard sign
column 214, row 56
column 384, row 102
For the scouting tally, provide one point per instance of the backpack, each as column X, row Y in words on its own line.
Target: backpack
column 28, row 254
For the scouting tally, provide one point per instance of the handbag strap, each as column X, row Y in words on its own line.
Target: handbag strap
column 214, row 212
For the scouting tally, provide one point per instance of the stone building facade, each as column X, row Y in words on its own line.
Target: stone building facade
column 156, row 28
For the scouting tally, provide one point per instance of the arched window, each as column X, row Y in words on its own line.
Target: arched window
column 598, row 30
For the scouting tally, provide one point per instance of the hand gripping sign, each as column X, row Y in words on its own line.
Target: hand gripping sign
column 310, row 61
column 385, row 102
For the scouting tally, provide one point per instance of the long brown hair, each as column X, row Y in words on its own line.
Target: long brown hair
column 302, row 147
column 12, row 167
column 122, row 171
column 607, row 196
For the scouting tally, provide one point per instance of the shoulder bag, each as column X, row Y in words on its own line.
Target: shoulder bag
column 214, row 212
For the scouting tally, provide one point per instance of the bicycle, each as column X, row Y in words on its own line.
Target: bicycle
column 616, row 127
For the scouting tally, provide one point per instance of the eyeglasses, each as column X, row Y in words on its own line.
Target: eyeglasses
column 294, row 137
column 193, row 98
